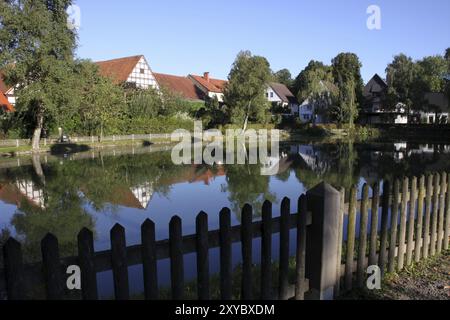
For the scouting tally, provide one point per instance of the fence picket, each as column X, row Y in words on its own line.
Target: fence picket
column 411, row 221
column 149, row 261
column 118, row 262
column 434, row 216
column 447, row 215
column 247, row 240
column 426, row 231
column 284, row 249
column 420, row 216
column 384, row 225
column 402, row 230
column 176, row 258
column 266, row 252
column 52, row 267
column 14, row 273
column 394, row 227
column 225, row 255
column 202, row 256
column 440, row 233
column 374, row 224
column 350, row 239
column 87, row 265
column 363, row 236
column 300, row 287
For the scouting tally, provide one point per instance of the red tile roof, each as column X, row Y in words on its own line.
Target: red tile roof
column 211, row 85
column 3, row 87
column 180, row 85
column 4, row 103
column 118, row 69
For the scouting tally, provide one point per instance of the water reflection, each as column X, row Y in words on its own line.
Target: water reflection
column 62, row 196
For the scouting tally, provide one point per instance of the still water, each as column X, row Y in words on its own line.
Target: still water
column 62, row 194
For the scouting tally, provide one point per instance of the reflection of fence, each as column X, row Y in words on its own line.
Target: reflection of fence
column 415, row 224
column 90, row 139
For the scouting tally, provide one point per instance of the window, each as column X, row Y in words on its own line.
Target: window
column 142, row 71
column 267, row 94
column 271, row 94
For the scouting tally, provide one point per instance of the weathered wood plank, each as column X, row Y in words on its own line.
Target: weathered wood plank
column 266, row 252
column 119, row 263
column 384, row 225
column 403, row 220
column 86, row 253
column 394, row 224
column 176, row 258
column 434, row 217
column 447, row 215
column 202, row 257
column 247, row 244
column 300, row 285
column 374, row 224
column 420, row 216
column 442, row 193
column 351, row 240
column 284, row 249
column 149, row 262
column 426, row 231
column 14, row 271
column 225, row 255
column 411, row 222
column 363, row 237
column 52, row 268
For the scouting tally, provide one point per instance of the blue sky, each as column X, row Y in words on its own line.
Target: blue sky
column 186, row 36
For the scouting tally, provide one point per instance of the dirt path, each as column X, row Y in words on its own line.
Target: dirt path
column 425, row 281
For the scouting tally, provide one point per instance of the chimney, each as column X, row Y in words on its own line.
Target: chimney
column 206, row 76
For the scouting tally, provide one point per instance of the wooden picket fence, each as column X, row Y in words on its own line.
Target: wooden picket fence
column 415, row 224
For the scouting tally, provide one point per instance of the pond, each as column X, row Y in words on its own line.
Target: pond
column 63, row 194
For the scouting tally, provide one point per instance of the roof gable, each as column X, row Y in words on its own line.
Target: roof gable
column 119, row 70
column 283, row 92
column 375, row 85
column 210, row 85
column 180, row 85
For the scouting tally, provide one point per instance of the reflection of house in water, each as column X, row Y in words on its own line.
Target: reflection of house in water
column 312, row 158
column 143, row 193
column 20, row 191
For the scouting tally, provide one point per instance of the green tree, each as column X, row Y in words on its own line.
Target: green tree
column 284, row 76
column 347, row 77
column 245, row 92
column 36, row 52
column 315, row 83
column 401, row 79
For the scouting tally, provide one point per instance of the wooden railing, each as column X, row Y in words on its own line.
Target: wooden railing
column 327, row 262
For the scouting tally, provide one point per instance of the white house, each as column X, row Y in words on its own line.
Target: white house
column 278, row 93
column 135, row 70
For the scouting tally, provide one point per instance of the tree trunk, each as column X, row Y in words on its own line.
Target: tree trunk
column 37, row 166
column 247, row 116
column 37, row 132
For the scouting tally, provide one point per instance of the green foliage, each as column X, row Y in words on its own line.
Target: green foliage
column 401, row 75
column 347, row 77
column 37, row 54
column 284, row 76
column 245, row 93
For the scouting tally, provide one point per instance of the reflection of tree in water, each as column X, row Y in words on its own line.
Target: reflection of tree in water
column 246, row 185
column 336, row 164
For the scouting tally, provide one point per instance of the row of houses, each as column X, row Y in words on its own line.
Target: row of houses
column 136, row 70
column 435, row 107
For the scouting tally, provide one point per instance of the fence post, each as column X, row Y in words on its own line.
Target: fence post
column 321, row 256
column 266, row 252
column 447, row 214
column 87, row 265
column 119, row 263
column 440, row 233
column 52, row 268
column 12, row 253
column 225, row 255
